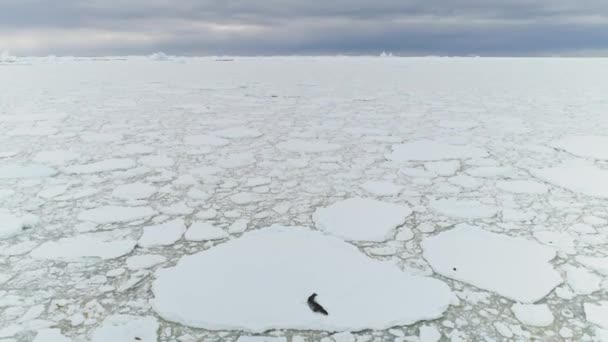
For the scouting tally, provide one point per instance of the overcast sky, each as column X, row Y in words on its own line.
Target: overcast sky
column 304, row 27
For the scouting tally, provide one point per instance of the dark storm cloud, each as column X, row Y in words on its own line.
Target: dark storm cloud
column 262, row 27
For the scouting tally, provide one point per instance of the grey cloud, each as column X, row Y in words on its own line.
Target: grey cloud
column 411, row 27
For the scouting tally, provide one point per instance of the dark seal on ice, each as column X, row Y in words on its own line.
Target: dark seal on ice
column 316, row 307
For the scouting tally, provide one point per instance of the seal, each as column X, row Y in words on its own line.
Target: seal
column 316, row 307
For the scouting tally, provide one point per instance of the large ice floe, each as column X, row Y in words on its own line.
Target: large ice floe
column 262, row 280
column 578, row 176
column 515, row 268
column 427, row 150
column 361, row 219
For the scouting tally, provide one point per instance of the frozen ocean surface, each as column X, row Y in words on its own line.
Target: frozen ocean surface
column 422, row 199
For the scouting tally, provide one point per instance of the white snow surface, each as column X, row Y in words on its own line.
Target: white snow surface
column 426, row 150
column 515, row 268
column 361, row 219
column 262, row 280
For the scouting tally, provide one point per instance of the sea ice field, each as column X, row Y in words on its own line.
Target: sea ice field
column 203, row 199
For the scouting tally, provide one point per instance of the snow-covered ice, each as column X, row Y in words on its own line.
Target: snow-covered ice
column 512, row 267
column 262, row 280
column 361, row 219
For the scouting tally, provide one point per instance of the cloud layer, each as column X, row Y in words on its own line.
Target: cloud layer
column 269, row 27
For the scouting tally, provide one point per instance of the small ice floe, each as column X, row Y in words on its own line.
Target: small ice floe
column 537, row 315
column 11, row 225
column 587, row 146
column 205, row 140
column 469, row 209
column 465, row 181
column 598, row 264
column 102, row 166
column 163, row 234
column 8, row 171
column 307, row 146
column 428, row 150
column 203, row 231
column 127, row 328
column 382, row 188
column 56, row 157
column 581, row 280
column 138, row 262
column 157, row 161
column 113, row 214
column 50, row 335
column 489, row 171
column 238, row 226
column 523, row 187
column 238, row 133
column 103, row 245
column 236, row 160
column 577, row 176
column 37, row 131
column 597, row 313
column 443, row 168
column 134, row 191
column 515, row 268
column 245, row 198
column 261, row 281
column 362, row 219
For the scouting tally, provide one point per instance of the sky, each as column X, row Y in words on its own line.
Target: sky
column 305, row 27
